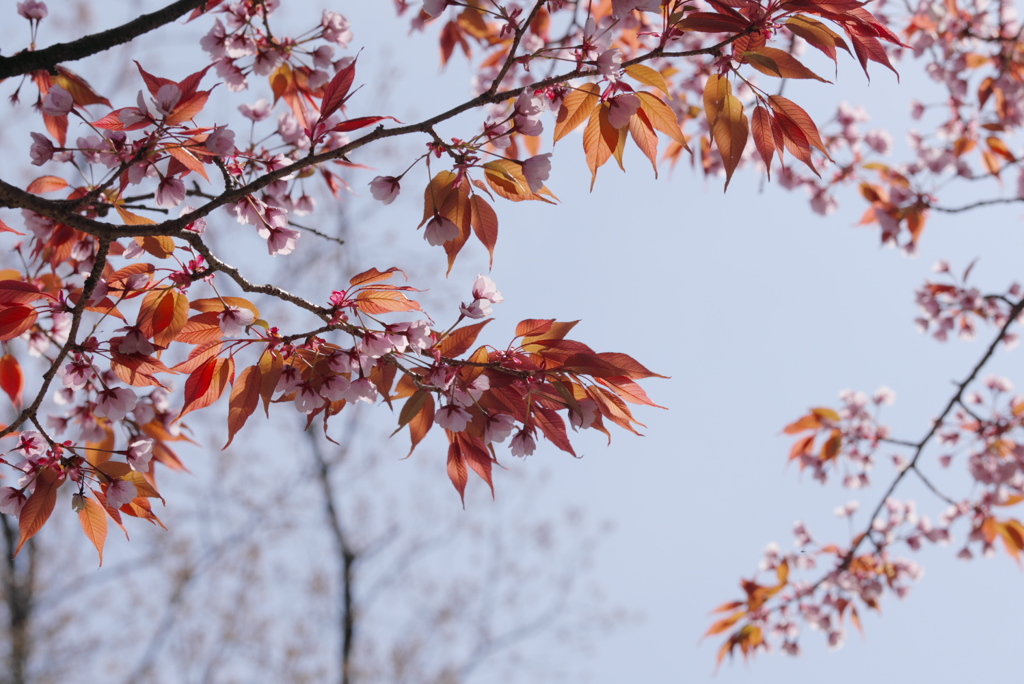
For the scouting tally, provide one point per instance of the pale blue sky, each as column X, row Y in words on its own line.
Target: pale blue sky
column 757, row 309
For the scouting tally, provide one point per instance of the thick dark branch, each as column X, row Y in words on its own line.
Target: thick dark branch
column 49, row 57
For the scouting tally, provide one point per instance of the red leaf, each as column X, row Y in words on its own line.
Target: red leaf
column 459, row 341
column 15, row 320
column 361, row 122
column 335, row 92
column 19, row 292
column 457, row 471
column 12, row 379
column 207, row 383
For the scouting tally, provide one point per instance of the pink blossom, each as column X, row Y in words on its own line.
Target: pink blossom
column 267, row 59
column 119, row 493
column 323, row 57
column 289, row 381
column 484, row 288
column 279, row 240
column 139, row 454
column 472, row 392
column 622, row 108
column 31, row 444
column 334, row 387
column 57, row 102
column 440, row 230
column 167, row 98
column 537, row 169
column 12, row 501
column 610, row 64
column 478, row 308
column 304, row 205
column 306, row 400
column 221, row 141
column 134, row 342
column 417, row 332
column 32, row 10
column 170, row 192
column 258, row 111
column 234, row 319
column 78, row 372
column 336, row 28
column 114, row 404
column 361, row 390
column 586, row 417
column 213, row 41
column 434, row 7
column 523, row 444
column 385, row 189
column 198, row 226
column 498, row 428
column 884, row 396
column 452, row 417
column 375, row 345
column 42, row 149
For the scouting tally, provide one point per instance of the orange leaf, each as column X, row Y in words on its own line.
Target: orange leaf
column 373, row 276
column 39, row 506
column 485, row 224
column 648, row 76
column 93, row 519
column 600, row 139
column 776, row 62
column 160, row 246
column 575, row 109
column 420, row 424
column 162, row 316
column 131, row 219
column 187, row 159
column 46, row 184
column 458, row 342
column 727, row 122
column 384, row 301
column 245, row 397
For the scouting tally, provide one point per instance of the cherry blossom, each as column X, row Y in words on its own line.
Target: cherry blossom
column 385, row 189
column 440, row 230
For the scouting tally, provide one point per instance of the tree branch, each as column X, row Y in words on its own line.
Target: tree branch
column 47, row 58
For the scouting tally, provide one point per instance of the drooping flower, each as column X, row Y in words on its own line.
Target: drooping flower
column 385, row 189
column 523, row 444
column 452, row 417
column 536, row 170
column 139, row 453
column 58, row 101
column 119, row 493
column 440, row 230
